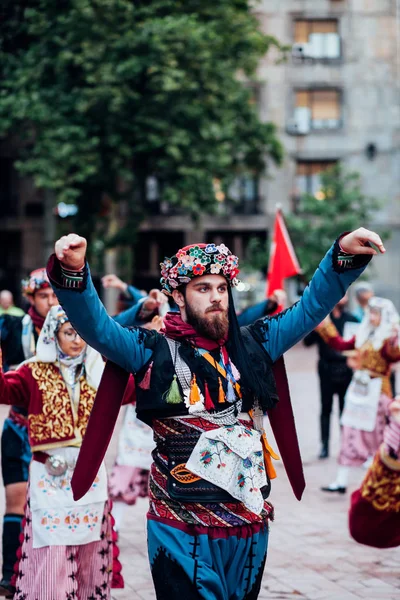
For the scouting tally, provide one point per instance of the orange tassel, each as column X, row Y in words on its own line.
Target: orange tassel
column 221, row 393
column 208, row 404
column 268, row 455
column 194, row 391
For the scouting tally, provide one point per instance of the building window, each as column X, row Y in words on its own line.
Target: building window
column 244, row 192
column 316, row 39
column 315, row 110
column 308, row 177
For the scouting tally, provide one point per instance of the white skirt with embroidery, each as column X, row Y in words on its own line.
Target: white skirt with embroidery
column 57, row 519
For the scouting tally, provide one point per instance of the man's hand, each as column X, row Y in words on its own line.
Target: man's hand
column 70, row 251
column 280, row 297
column 156, row 323
column 155, row 300
column 112, row 281
column 356, row 242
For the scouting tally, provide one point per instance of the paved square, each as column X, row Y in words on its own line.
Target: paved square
column 311, row 555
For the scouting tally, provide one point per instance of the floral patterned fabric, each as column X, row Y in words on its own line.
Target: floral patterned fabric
column 196, row 260
column 56, row 517
column 182, row 514
column 232, row 458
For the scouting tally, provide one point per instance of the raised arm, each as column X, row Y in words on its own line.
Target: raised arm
column 328, row 332
column 73, row 285
column 344, row 262
column 131, row 316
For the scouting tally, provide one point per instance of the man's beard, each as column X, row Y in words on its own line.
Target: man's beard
column 215, row 326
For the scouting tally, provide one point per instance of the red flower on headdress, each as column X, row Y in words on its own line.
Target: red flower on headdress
column 198, row 269
column 180, row 254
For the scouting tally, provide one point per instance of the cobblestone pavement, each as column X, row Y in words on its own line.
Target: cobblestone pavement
column 311, row 555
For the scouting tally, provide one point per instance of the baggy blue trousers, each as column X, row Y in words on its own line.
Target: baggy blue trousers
column 203, row 566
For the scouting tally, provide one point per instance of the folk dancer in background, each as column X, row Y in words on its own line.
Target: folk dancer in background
column 334, row 374
column 19, row 339
column 67, row 546
column 373, row 350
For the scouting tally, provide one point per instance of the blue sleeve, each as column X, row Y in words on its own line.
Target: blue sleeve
column 88, row 316
column 327, row 287
column 129, row 317
column 253, row 313
column 134, row 293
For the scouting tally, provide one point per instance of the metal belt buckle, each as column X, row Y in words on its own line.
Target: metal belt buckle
column 56, row 465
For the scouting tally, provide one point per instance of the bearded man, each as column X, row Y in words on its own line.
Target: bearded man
column 203, row 385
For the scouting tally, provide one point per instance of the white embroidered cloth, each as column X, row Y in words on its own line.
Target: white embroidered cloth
column 232, row 458
column 56, row 518
column 135, row 443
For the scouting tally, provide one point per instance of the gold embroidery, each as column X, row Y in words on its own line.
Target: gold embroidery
column 56, row 420
column 86, row 401
column 327, row 330
column 374, row 361
column 381, row 487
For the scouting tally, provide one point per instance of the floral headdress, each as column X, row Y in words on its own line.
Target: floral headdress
column 37, row 280
column 196, row 260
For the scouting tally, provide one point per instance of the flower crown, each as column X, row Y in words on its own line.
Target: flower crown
column 37, row 280
column 196, row 260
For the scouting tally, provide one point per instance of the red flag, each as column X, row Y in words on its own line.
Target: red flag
column 283, row 262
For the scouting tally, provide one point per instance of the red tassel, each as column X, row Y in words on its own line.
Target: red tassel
column 208, row 403
column 145, row 383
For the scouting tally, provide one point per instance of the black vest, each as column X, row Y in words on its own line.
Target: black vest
column 152, row 403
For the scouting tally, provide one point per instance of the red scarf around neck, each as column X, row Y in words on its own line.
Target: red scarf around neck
column 176, row 329
column 37, row 320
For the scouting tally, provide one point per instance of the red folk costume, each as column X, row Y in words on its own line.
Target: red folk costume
column 374, row 516
column 373, row 351
column 67, row 547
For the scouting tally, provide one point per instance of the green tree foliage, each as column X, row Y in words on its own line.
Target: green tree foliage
column 340, row 206
column 100, row 92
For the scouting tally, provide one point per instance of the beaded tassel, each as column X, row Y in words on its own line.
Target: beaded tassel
column 208, row 404
column 174, row 395
column 221, row 393
column 231, row 396
column 145, row 383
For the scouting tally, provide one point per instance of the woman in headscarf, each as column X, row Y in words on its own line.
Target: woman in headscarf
column 67, row 546
column 371, row 352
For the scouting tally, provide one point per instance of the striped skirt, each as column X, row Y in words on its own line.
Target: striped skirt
column 66, row 572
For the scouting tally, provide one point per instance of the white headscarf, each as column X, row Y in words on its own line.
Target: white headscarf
column 49, row 351
column 388, row 327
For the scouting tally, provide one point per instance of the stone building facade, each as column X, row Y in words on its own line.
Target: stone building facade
column 335, row 99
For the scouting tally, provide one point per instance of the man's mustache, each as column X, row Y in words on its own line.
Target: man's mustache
column 214, row 309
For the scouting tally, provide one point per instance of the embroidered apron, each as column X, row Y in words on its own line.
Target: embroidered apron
column 361, row 402
column 56, row 518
